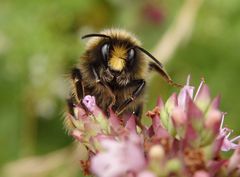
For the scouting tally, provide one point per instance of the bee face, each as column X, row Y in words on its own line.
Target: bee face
column 117, row 51
column 117, row 56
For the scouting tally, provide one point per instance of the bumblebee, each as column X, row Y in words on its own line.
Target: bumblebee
column 114, row 68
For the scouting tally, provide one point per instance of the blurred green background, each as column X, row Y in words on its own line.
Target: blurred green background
column 40, row 42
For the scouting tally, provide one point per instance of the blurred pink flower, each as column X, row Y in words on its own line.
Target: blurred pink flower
column 78, row 135
column 89, row 102
column 234, row 161
column 146, row 174
column 227, row 143
column 185, row 92
column 152, row 13
column 201, row 174
column 185, row 138
column 119, row 158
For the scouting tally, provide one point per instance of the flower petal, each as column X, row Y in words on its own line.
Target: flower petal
column 160, row 103
column 234, row 160
column 215, row 166
column 146, row 174
column 119, row 158
column 215, row 103
column 171, row 103
column 217, row 146
column 213, row 120
column 193, row 111
column 114, row 121
column 201, row 174
column 131, row 124
column 78, row 135
column 90, row 102
column 202, row 99
column 182, row 96
column 179, row 116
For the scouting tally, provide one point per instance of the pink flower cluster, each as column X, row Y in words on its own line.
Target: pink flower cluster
column 185, row 138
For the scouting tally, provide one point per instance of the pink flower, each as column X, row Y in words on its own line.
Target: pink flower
column 185, row 138
column 202, row 97
column 119, row 158
column 89, row 102
column 186, row 91
column 152, row 13
column 179, row 116
column 78, row 135
column 146, row 174
column 213, row 120
column 234, row 162
column 201, row 174
column 227, row 143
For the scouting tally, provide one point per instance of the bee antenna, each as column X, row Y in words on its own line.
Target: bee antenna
column 150, row 55
column 96, row 35
column 159, row 68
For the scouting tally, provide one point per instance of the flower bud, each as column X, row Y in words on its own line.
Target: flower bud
column 179, row 116
column 201, row 174
column 173, row 165
column 213, row 120
column 234, row 160
column 78, row 135
column 89, row 102
column 156, row 152
column 146, row 174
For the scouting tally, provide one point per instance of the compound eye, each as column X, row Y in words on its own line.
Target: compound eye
column 131, row 54
column 105, row 51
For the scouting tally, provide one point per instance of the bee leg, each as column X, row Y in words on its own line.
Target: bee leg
column 139, row 110
column 78, row 84
column 70, row 106
column 138, row 113
column 68, row 123
column 166, row 77
column 135, row 94
column 97, row 78
column 79, row 89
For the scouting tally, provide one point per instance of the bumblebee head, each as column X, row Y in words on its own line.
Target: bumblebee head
column 115, row 48
column 118, row 49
